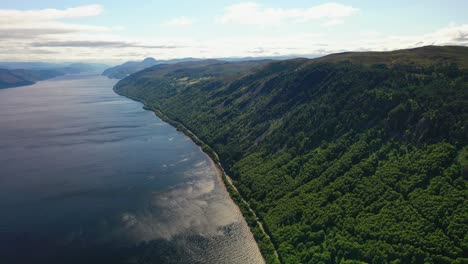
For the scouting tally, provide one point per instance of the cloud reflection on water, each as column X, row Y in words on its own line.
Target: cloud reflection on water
column 195, row 207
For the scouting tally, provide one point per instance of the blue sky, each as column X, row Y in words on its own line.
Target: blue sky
column 115, row 31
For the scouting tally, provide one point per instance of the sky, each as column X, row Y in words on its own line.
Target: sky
column 116, row 31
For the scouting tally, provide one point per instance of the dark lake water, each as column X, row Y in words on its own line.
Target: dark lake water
column 87, row 176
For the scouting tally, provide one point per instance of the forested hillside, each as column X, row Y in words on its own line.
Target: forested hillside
column 350, row 158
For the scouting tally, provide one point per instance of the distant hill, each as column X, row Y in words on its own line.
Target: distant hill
column 123, row 70
column 30, row 65
column 130, row 67
column 76, row 68
column 420, row 57
column 21, row 77
column 13, row 74
column 65, row 67
column 358, row 157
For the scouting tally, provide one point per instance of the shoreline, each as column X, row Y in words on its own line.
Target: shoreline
column 253, row 222
column 226, row 182
column 261, row 237
column 248, row 214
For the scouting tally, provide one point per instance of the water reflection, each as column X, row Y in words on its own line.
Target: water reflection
column 87, row 176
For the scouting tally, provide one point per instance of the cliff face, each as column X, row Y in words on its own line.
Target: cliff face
column 349, row 157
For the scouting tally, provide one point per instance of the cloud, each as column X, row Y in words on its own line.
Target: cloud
column 9, row 16
column 451, row 35
column 32, row 34
column 250, row 13
column 99, row 44
column 33, row 29
column 33, row 23
column 178, row 22
column 35, row 35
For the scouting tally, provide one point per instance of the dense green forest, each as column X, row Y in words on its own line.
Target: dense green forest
column 349, row 158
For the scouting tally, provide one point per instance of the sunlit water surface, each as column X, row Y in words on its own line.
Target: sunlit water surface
column 87, row 176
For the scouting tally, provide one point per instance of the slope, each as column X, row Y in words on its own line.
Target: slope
column 344, row 160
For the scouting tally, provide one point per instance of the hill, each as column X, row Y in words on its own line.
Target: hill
column 351, row 158
column 21, row 77
column 76, row 68
column 130, row 67
column 417, row 57
column 30, row 65
column 64, row 67
column 14, row 74
column 123, row 70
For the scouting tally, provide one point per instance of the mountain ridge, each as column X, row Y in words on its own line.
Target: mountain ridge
column 122, row 70
column 422, row 56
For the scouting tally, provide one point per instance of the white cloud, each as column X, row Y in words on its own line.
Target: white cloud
column 250, row 13
column 32, row 23
column 9, row 16
column 33, row 29
column 178, row 22
column 451, row 35
column 43, row 36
